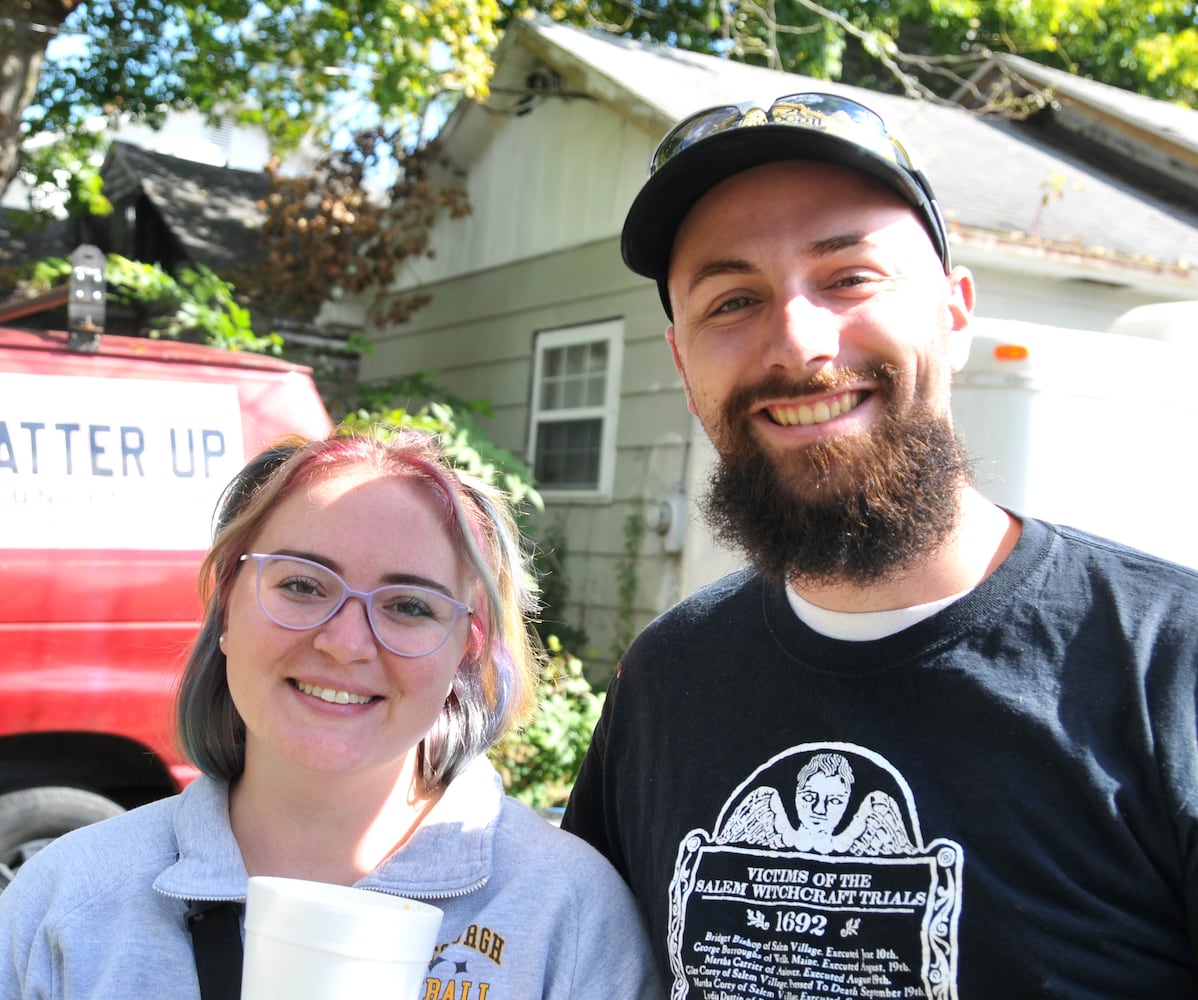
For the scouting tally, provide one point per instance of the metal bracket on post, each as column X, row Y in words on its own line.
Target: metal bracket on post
column 86, row 300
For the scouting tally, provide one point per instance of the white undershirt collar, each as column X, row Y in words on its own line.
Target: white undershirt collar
column 863, row 626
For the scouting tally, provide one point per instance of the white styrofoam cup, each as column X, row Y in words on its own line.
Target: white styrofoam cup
column 315, row 941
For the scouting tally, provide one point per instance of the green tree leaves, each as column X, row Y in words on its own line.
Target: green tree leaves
column 927, row 46
column 300, row 70
column 297, row 69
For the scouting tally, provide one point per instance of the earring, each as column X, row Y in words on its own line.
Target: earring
column 221, row 641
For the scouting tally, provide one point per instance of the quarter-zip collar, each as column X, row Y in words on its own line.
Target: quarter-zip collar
column 451, row 854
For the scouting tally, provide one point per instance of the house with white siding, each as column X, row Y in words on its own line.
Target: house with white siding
column 1071, row 218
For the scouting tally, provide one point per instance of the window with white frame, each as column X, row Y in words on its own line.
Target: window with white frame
column 575, row 396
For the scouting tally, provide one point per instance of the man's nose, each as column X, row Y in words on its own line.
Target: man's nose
column 803, row 337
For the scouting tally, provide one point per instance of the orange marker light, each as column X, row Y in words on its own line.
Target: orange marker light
column 1010, row 352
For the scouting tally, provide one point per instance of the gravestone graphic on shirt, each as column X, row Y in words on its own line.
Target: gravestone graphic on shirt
column 813, row 882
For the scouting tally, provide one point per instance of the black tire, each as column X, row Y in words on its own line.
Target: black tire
column 31, row 817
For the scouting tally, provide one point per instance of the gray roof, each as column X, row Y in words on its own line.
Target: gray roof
column 996, row 180
column 212, row 211
column 1170, row 122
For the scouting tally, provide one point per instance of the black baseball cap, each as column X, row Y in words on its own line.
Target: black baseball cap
column 714, row 144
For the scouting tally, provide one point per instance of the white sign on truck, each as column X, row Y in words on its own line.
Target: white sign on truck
column 77, row 452
column 114, row 452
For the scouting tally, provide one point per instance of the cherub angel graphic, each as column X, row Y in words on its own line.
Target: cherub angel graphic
column 822, row 791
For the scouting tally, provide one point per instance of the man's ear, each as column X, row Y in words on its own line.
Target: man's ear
column 960, row 311
column 690, row 400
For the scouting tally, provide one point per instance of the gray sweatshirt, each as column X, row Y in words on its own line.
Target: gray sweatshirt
column 530, row 911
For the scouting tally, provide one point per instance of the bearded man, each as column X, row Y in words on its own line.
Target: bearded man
column 1016, row 700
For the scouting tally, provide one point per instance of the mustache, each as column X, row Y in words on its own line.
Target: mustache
column 822, row 382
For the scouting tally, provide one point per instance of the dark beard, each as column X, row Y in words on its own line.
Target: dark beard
column 846, row 511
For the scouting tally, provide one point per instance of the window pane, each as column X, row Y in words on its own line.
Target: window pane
column 568, row 454
column 574, row 376
column 597, row 356
column 572, row 393
column 576, row 359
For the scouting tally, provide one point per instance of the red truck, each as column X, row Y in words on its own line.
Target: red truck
column 112, row 460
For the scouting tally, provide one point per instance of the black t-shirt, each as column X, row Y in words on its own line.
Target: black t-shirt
column 1000, row 801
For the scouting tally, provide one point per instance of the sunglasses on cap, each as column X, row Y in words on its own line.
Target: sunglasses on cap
column 825, row 113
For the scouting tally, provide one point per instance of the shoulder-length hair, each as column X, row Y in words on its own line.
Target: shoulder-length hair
column 495, row 684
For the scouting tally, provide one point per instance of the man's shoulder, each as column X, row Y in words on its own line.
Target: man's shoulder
column 709, row 603
column 1108, row 557
column 711, row 614
column 1077, row 571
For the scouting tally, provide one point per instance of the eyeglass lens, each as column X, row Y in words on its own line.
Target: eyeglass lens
column 407, row 619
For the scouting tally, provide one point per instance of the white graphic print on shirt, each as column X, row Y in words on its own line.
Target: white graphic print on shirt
column 815, row 882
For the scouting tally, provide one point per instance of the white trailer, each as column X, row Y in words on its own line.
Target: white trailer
column 1098, row 430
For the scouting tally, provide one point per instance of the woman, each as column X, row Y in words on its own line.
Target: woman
column 364, row 644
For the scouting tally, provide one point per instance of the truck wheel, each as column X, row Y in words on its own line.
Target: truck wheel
column 31, row 817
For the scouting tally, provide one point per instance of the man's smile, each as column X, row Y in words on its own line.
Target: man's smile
column 806, row 414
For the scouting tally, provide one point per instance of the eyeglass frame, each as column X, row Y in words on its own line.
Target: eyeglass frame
column 365, row 596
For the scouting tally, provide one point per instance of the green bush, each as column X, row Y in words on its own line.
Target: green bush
column 540, row 761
